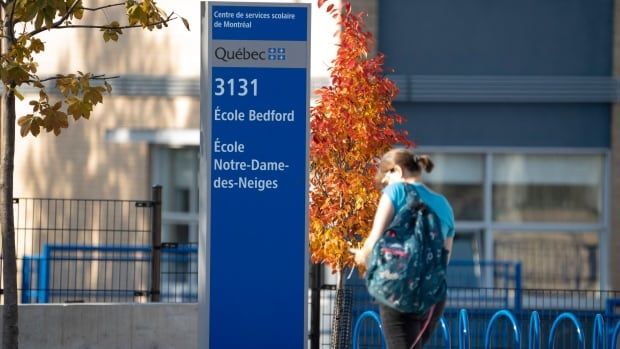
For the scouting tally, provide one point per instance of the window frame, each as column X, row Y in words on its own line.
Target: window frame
column 160, row 163
column 490, row 227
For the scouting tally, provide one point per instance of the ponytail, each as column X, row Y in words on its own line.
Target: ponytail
column 424, row 162
column 406, row 159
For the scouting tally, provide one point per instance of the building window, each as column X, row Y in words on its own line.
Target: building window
column 176, row 170
column 547, row 188
column 459, row 177
column 542, row 209
column 552, row 260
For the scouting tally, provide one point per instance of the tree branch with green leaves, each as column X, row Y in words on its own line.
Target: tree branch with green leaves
column 79, row 97
column 19, row 66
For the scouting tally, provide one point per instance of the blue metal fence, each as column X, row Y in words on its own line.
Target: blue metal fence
column 483, row 303
column 47, row 277
column 121, row 273
column 601, row 337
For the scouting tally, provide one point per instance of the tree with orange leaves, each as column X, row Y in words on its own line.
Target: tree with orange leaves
column 352, row 124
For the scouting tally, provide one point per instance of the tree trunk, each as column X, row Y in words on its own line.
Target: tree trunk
column 10, row 330
column 341, row 319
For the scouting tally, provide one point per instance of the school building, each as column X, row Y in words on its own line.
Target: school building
column 516, row 102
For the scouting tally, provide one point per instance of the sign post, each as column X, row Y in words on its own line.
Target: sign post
column 253, row 246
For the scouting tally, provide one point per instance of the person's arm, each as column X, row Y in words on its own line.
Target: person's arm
column 383, row 217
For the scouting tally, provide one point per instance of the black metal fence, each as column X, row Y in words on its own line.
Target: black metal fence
column 179, row 273
column 77, row 250
column 481, row 304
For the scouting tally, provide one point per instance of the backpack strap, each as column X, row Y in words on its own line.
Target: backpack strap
column 425, row 327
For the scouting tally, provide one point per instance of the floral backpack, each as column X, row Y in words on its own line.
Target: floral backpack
column 407, row 267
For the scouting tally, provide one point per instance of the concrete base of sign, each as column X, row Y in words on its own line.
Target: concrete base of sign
column 108, row 326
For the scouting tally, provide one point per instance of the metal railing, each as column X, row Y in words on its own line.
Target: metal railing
column 44, row 279
column 83, row 250
column 549, row 305
column 599, row 332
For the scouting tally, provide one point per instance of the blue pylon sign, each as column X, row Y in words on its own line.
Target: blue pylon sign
column 255, row 129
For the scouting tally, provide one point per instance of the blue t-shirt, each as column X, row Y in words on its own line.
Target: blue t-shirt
column 437, row 202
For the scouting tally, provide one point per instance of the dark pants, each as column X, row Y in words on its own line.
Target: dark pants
column 402, row 329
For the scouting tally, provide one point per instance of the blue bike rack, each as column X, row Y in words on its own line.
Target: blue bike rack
column 373, row 315
column 614, row 336
column 463, row 330
column 515, row 328
column 370, row 314
column 575, row 321
column 598, row 333
column 446, row 332
column 534, row 334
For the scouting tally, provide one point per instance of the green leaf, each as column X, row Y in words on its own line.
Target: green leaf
column 68, row 85
column 54, row 120
column 38, row 23
column 93, row 95
column 16, row 73
column 37, row 45
column 186, row 23
column 32, row 67
column 28, row 14
column 78, row 11
column 61, row 6
column 18, row 94
column 78, row 109
column 35, row 105
column 50, row 13
column 29, row 124
column 84, row 81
